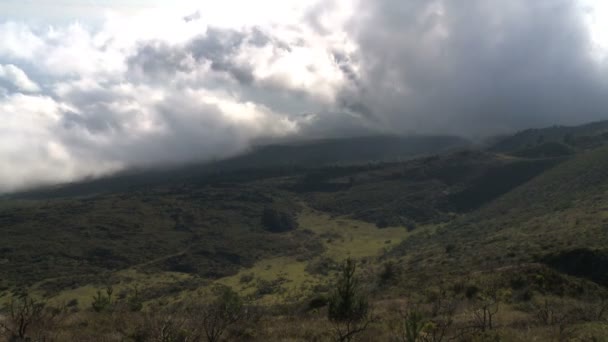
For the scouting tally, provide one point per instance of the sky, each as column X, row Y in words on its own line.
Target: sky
column 89, row 87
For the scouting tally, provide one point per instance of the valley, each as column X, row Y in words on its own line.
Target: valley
column 526, row 228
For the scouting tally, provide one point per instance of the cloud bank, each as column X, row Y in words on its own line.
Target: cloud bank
column 171, row 86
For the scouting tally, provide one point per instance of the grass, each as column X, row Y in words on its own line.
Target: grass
column 345, row 237
column 342, row 237
column 124, row 282
column 294, row 282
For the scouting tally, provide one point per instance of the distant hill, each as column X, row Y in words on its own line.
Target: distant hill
column 345, row 151
column 304, row 154
column 547, row 149
column 585, row 136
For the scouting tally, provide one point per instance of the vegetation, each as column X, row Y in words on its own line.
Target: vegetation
column 221, row 314
column 278, row 221
column 348, row 308
column 102, row 301
column 504, row 244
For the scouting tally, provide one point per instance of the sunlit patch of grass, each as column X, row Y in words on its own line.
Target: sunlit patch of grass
column 129, row 280
column 293, row 282
column 344, row 237
column 84, row 295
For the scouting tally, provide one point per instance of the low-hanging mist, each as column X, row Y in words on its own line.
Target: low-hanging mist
column 173, row 85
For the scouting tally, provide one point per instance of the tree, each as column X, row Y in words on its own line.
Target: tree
column 28, row 318
column 348, row 310
column 487, row 309
column 23, row 313
column 225, row 311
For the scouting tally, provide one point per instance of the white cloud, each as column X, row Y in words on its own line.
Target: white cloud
column 18, row 78
column 141, row 85
column 30, row 150
column 147, row 87
column 18, row 41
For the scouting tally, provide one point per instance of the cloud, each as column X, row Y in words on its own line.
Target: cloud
column 172, row 85
column 476, row 68
column 17, row 78
column 31, row 152
column 116, row 97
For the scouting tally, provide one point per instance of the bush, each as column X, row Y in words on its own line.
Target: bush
column 278, row 221
column 29, row 319
column 317, row 302
column 102, row 302
column 134, row 301
column 389, row 273
column 349, row 310
column 225, row 311
column 246, row 278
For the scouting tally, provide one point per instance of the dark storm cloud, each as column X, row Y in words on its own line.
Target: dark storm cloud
column 472, row 68
column 478, row 66
column 343, row 61
column 97, row 112
column 158, row 59
column 218, row 47
column 221, row 46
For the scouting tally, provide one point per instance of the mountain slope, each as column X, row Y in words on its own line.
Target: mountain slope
column 564, row 209
column 288, row 156
column 585, row 136
column 345, row 151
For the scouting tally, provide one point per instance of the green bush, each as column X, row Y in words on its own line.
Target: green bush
column 278, row 221
column 348, row 310
column 102, row 302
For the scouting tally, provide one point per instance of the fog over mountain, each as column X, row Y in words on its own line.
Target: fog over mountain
column 111, row 85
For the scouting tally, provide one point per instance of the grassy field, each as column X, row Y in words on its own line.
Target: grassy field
column 288, row 279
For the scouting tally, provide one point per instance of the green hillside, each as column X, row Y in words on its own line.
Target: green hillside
column 214, row 227
column 521, row 231
column 587, row 136
column 555, row 218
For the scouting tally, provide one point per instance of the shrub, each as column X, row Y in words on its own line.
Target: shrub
column 102, row 302
column 349, row 310
column 389, row 273
column 134, row 301
column 410, row 326
column 317, row 302
column 23, row 313
column 225, row 311
column 246, row 278
column 278, row 221
column 28, row 319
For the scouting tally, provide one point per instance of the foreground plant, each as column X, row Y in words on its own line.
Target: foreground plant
column 349, row 310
